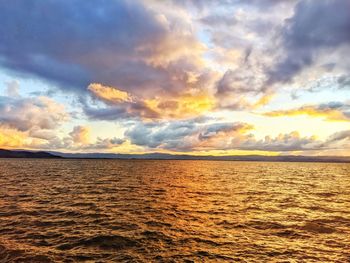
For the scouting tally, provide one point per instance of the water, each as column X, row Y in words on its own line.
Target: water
column 173, row 211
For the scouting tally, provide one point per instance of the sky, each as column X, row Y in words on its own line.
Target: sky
column 269, row 77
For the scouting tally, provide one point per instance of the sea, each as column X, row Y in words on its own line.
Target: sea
column 64, row 210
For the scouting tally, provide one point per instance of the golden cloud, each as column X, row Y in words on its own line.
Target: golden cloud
column 108, row 94
column 181, row 106
column 330, row 114
column 80, row 135
column 11, row 138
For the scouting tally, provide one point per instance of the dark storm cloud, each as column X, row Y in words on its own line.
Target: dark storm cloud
column 76, row 42
column 52, row 39
column 315, row 26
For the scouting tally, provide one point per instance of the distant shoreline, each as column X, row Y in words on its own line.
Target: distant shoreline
column 215, row 160
column 23, row 154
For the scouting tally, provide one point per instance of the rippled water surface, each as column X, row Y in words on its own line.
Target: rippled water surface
column 173, row 211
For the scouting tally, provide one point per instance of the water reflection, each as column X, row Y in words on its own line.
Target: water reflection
column 142, row 211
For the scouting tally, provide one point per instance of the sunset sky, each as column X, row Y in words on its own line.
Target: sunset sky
column 199, row 77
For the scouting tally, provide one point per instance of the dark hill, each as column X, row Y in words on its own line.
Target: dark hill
column 26, row 154
column 166, row 156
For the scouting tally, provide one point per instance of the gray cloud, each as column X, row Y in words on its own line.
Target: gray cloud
column 117, row 43
column 344, row 82
column 28, row 119
column 315, row 26
column 211, row 131
column 335, row 82
column 175, row 135
column 338, row 136
column 43, row 134
column 237, row 85
column 191, row 136
column 218, row 20
column 338, row 140
column 122, row 110
column 161, row 134
column 25, row 114
column 199, row 135
column 12, row 89
column 258, row 4
column 243, row 88
column 282, row 143
column 77, row 140
column 103, row 144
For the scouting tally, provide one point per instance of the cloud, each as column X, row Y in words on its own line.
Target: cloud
column 12, row 88
column 138, row 46
column 42, row 134
column 244, row 54
column 28, row 121
column 107, row 143
column 108, row 94
column 241, row 81
column 167, row 134
column 252, row 4
column 205, row 135
column 217, row 20
column 316, row 26
column 25, row 114
column 25, row 121
column 338, row 136
column 11, row 138
column 162, row 134
column 79, row 139
column 282, row 143
column 154, row 66
column 191, row 136
column 338, row 140
column 334, row 83
column 333, row 111
column 80, row 135
column 242, row 89
column 343, row 81
column 120, row 104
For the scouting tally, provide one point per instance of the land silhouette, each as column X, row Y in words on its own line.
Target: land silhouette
column 167, row 156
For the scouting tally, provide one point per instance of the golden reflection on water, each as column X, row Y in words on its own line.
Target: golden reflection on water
column 173, row 211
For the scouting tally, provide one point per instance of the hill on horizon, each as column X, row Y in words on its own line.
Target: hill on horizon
column 26, row 154
column 166, row 156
